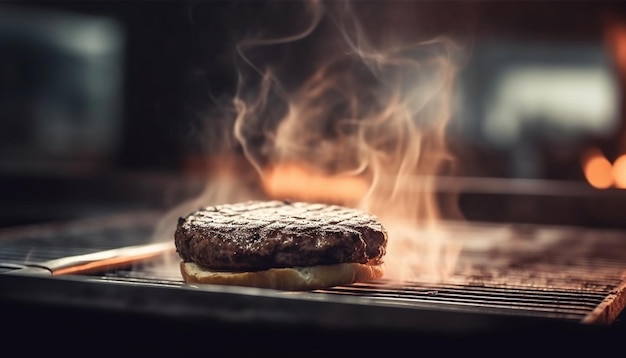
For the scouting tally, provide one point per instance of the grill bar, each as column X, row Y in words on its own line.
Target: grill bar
column 40, row 243
column 501, row 272
column 506, row 302
column 567, row 305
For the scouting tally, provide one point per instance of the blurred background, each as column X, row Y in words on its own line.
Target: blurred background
column 101, row 105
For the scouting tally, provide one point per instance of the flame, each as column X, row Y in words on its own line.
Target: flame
column 367, row 128
column 359, row 119
column 297, row 181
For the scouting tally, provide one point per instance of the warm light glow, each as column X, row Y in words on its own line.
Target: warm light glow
column 367, row 128
column 297, row 182
column 619, row 171
column 616, row 41
column 108, row 260
column 360, row 118
column 598, row 170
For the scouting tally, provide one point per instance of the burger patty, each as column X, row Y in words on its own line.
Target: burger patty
column 258, row 235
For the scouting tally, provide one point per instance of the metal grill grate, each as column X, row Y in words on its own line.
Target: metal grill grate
column 37, row 245
column 560, row 304
column 555, row 273
column 498, row 300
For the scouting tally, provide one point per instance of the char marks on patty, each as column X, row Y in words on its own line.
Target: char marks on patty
column 258, row 235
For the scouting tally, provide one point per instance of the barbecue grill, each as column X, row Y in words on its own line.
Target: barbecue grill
column 511, row 281
column 84, row 264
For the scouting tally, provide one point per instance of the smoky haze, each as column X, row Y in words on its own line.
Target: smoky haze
column 341, row 99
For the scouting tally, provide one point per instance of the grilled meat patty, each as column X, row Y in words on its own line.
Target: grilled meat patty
column 259, row 235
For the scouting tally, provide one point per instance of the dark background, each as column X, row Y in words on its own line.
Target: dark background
column 179, row 55
column 178, row 66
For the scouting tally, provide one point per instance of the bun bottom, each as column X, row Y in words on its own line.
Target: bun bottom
column 290, row 279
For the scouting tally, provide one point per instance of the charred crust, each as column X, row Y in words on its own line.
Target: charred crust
column 258, row 235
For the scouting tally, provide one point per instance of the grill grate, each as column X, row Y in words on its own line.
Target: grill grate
column 567, row 305
column 34, row 245
column 555, row 273
column 520, row 301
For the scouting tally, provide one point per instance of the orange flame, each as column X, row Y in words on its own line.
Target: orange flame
column 296, row 181
column 366, row 128
column 357, row 123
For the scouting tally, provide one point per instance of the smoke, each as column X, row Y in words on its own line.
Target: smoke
column 351, row 94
